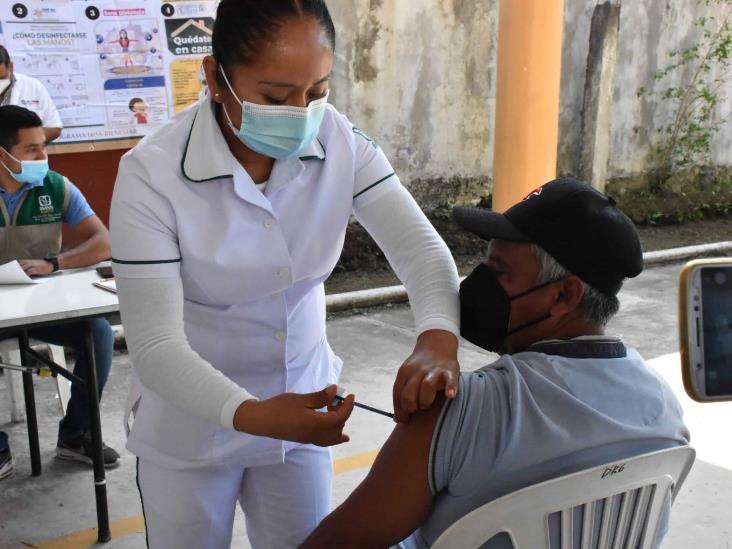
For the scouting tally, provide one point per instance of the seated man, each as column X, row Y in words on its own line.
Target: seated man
column 563, row 398
column 26, row 91
column 35, row 202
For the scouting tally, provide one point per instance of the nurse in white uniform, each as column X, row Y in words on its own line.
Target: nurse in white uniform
column 225, row 223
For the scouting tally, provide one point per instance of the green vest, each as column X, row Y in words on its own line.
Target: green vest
column 35, row 230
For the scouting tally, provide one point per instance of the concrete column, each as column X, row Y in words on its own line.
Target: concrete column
column 598, row 102
column 527, row 97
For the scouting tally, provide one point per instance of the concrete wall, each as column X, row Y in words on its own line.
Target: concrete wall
column 419, row 76
column 649, row 29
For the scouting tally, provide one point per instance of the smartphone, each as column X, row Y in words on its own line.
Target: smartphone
column 705, row 329
column 105, row 272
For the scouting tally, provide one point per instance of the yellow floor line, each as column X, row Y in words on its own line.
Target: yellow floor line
column 87, row 538
column 359, row 461
column 136, row 525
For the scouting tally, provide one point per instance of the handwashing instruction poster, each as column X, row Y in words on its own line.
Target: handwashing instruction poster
column 115, row 68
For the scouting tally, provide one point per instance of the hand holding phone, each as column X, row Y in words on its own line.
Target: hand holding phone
column 705, row 329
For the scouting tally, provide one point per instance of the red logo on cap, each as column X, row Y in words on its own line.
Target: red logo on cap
column 535, row 192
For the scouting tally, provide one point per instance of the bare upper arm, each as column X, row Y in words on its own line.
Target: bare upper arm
column 89, row 227
column 394, row 498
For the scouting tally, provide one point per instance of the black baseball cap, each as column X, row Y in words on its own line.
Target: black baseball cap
column 576, row 224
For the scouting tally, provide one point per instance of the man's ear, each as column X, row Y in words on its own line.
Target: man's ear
column 10, row 162
column 569, row 296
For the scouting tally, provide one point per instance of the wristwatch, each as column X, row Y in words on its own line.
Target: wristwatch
column 53, row 260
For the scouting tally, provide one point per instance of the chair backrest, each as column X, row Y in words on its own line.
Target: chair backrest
column 611, row 506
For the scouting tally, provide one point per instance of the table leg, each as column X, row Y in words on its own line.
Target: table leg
column 100, row 482
column 30, row 408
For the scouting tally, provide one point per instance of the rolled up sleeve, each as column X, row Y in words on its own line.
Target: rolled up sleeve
column 142, row 226
column 468, row 435
column 374, row 176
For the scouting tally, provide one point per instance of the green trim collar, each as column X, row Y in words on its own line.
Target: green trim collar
column 314, row 151
column 206, row 156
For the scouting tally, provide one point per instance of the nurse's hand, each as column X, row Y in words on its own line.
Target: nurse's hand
column 431, row 368
column 296, row 417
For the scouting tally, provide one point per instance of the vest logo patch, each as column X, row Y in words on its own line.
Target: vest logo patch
column 44, row 201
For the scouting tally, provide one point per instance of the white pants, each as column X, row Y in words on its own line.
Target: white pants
column 194, row 509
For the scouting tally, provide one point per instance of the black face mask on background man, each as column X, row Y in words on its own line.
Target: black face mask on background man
column 485, row 309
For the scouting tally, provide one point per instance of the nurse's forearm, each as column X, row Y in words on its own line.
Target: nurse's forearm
column 297, row 417
column 419, row 257
column 152, row 314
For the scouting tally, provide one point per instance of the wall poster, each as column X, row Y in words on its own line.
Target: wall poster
column 116, row 69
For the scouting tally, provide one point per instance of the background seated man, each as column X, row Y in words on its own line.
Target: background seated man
column 563, row 398
column 26, row 91
column 35, row 202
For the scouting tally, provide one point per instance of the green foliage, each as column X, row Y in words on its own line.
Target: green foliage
column 700, row 72
column 691, row 194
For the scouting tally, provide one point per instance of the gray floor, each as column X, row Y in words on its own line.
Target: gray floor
column 59, row 505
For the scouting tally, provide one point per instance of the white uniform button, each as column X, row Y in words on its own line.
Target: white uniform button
column 280, row 336
column 269, row 224
column 284, row 272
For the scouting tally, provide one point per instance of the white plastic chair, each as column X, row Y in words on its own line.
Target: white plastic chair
column 611, row 506
column 10, row 354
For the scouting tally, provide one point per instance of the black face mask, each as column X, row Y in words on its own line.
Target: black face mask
column 485, row 309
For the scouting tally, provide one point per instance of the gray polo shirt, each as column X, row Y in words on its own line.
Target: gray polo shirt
column 558, row 408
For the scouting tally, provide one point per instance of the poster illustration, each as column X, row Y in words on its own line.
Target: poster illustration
column 115, row 68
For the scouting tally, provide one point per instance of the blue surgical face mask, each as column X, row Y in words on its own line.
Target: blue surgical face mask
column 277, row 131
column 31, row 171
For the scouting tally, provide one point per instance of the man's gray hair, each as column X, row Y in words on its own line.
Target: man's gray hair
column 598, row 308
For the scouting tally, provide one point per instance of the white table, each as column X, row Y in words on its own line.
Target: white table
column 64, row 297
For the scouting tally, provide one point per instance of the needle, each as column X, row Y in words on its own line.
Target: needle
column 366, row 407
